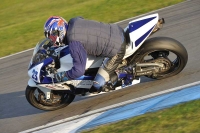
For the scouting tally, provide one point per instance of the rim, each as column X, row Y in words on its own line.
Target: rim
column 56, row 101
column 170, row 60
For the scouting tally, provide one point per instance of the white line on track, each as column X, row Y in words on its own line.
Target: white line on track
column 16, row 53
column 111, row 107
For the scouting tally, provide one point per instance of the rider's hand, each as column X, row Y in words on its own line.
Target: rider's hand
column 61, row 76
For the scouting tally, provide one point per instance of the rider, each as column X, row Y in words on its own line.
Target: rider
column 88, row 37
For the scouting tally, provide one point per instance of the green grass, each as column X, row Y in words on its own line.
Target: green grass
column 182, row 118
column 21, row 23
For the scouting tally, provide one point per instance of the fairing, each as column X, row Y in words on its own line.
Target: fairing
column 139, row 30
column 40, row 60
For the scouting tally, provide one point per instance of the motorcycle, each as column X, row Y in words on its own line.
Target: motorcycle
column 156, row 58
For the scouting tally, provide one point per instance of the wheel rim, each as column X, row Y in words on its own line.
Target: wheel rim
column 38, row 99
column 171, row 62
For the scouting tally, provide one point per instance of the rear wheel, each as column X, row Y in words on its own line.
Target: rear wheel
column 163, row 50
column 59, row 99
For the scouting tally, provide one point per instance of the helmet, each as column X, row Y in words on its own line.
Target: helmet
column 56, row 26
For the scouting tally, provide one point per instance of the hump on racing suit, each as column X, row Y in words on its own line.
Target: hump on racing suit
column 98, row 39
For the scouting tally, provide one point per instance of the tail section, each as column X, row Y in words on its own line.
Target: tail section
column 139, row 30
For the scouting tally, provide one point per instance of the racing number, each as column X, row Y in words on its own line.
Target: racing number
column 34, row 76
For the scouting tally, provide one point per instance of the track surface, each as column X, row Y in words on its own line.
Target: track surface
column 182, row 23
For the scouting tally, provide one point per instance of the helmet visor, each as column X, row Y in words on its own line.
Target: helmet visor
column 52, row 33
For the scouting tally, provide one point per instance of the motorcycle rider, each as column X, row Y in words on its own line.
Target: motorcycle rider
column 88, row 37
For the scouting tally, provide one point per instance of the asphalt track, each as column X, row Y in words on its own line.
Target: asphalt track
column 182, row 23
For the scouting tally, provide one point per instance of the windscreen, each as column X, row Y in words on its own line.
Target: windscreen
column 39, row 53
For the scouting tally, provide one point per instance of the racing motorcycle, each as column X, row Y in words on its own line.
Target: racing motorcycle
column 156, row 57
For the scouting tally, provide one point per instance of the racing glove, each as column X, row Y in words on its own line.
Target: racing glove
column 61, row 76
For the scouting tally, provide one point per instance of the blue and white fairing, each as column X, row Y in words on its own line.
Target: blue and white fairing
column 139, row 30
column 37, row 70
column 39, row 76
column 37, row 64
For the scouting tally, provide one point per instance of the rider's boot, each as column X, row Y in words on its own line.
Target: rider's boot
column 130, row 75
column 100, row 85
column 129, row 72
column 110, row 85
column 98, row 82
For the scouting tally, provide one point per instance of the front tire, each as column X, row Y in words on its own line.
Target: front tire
column 37, row 99
column 164, row 50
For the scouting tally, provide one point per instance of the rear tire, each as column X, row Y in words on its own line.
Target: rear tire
column 160, row 48
column 36, row 101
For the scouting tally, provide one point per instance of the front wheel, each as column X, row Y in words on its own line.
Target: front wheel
column 59, row 99
column 163, row 50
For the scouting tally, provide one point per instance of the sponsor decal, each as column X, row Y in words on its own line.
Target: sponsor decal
column 80, row 83
column 34, row 75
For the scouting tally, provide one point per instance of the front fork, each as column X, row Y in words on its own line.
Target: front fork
column 46, row 91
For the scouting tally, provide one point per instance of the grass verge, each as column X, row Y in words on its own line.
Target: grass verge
column 182, row 118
